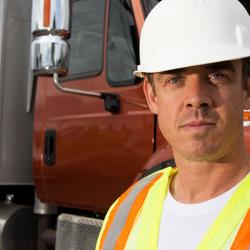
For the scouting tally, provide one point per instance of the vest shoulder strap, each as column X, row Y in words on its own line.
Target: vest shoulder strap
column 229, row 218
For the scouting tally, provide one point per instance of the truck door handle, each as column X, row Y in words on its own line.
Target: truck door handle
column 49, row 147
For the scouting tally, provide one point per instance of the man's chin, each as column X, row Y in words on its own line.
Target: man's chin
column 201, row 153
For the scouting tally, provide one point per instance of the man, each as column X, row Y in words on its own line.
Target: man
column 194, row 58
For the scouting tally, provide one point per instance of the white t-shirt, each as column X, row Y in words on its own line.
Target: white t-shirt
column 183, row 226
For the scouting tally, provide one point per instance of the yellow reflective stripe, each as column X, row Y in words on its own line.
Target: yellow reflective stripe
column 229, row 218
column 145, row 232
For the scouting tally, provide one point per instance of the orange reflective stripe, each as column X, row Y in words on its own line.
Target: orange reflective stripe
column 122, row 239
column 46, row 13
column 112, row 216
column 242, row 240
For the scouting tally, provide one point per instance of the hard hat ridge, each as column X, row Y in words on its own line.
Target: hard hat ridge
column 184, row 33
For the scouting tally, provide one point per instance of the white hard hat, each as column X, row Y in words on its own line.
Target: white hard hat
column 184, row 33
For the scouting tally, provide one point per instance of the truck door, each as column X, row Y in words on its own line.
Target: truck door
column 85, row 156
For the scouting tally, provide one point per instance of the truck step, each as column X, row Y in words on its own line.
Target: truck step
column 77, row 232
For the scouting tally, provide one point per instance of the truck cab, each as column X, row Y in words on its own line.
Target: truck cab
column 96, row 153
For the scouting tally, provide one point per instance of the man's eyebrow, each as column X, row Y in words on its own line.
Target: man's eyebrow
column 227, row 65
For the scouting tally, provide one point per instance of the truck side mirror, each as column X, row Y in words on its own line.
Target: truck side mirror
column 50, row 30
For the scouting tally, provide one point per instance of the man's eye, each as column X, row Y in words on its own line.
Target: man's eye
column 217, row 77
column 175, row 80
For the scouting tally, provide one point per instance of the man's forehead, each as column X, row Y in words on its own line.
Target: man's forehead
column 226, row 65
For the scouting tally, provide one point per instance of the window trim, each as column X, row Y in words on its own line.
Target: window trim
column 128, row 82
column 93, row 73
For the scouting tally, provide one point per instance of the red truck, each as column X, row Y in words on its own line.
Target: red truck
column 70, row 145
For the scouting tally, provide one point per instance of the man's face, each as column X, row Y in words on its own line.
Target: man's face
column 200, row 109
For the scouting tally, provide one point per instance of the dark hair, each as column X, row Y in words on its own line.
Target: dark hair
column 245, row 72
column 150, row 79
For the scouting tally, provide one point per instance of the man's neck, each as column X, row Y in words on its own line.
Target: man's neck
column 200, row 181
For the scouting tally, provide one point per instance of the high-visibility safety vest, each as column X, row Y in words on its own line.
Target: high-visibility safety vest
column 133, row 221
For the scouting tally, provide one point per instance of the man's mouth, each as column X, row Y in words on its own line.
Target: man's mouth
column 198, row 125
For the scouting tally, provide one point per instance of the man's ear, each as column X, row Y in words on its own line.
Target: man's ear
column 247, row 95
column 150, row 96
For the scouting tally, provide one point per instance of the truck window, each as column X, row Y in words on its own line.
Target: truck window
column 246, row 4
column 149, row 5
column 122, row 50
column 86, row 42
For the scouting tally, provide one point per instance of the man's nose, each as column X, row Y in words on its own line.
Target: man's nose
column 198, row 94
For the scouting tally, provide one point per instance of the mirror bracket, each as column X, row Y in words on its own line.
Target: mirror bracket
column 111, row 101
